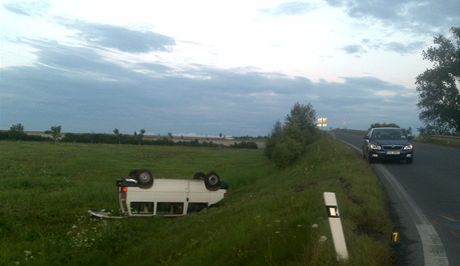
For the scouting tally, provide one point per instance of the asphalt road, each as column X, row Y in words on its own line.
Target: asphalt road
column 432, row 181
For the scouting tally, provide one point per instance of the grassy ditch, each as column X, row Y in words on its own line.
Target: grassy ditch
column 440, row 140
column 266, row 220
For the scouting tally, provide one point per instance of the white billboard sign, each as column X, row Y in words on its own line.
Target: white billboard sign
column 321, row 122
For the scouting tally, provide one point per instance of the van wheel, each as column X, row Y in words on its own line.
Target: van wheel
column 212, row 181
column 144, row 177
column 199, row 175
column 223, row 185
column 133, row 174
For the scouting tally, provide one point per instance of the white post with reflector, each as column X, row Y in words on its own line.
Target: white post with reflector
column 336, row 225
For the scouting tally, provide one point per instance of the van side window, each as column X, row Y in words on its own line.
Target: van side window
column 167, row 208
column 141, row 207
column 196, row 207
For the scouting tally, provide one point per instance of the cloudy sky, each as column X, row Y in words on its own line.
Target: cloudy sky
column 210, row 67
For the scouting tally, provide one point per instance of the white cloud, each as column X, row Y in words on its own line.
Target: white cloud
column 295, row 47
column 385, row 93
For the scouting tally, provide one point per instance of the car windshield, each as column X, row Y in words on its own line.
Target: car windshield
column 388, row 134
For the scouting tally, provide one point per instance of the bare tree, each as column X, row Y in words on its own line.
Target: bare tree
column 117, row 134
column 141, row 136
column 56, row 133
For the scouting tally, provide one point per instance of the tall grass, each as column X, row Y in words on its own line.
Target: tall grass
column 266, row 220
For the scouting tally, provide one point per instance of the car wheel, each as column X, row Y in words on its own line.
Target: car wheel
column 212, row 181
column 369, row 158
column 199, row 175
column 409, row 161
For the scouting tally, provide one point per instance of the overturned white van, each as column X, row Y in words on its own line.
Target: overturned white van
column 141, row 195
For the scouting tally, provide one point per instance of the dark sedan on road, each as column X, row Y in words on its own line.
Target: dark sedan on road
column 387, row 143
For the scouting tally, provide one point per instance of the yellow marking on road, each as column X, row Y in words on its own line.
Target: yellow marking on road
column 395, row 237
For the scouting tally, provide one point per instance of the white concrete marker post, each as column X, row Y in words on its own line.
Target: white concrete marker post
column 336, row 225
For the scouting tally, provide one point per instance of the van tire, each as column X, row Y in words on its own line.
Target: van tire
column 199, row 176
column 212, row 181
column 143, row 177
column 133, row 174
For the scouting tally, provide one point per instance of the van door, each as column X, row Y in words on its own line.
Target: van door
column 197, row 197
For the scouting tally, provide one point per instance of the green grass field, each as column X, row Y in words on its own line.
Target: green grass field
column 266, row 219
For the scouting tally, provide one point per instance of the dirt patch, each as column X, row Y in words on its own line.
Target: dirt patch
column 345, row 183
column 356, row 200
column 303, row 186
column 347, row 187
column 367, row 229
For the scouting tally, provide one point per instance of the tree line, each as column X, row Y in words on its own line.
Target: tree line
column 16, row 132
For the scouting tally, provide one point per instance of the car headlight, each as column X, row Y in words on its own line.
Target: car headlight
column 374, row 147
column 408, row 147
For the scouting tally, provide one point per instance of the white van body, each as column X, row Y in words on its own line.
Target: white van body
column 167, row 197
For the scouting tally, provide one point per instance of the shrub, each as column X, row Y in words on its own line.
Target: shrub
column 287, row 152
column 245, row 145
column 287, row 142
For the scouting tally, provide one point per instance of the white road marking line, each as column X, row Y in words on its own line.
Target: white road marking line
column 351, row 145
